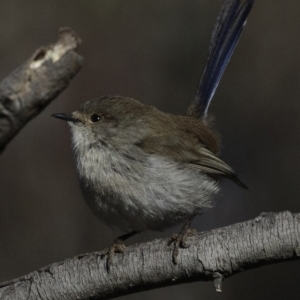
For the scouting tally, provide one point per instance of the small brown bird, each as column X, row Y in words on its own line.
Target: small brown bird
column 142, row 169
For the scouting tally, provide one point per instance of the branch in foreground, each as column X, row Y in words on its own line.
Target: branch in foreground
column 212, row 256
column 28, row 89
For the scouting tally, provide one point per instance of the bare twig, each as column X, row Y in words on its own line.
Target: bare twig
column 212, row 256
column 28, row 89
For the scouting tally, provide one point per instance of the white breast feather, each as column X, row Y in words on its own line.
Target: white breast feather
column 151, row 193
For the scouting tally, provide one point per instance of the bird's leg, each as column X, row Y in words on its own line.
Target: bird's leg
column 117, row 247
column 179, row 240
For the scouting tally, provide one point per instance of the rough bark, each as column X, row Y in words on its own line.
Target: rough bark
column 28, row 89
column 212, row 256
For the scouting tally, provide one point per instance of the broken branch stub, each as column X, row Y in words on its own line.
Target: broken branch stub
column 31, row 87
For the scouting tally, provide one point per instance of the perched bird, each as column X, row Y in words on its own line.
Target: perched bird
column 143, row 169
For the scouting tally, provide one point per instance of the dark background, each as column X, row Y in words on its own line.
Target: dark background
column 154, row 50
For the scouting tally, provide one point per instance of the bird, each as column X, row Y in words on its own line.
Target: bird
column 143, row 169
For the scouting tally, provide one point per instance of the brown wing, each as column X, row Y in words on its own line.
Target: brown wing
column 187, row 149
column 214, row 166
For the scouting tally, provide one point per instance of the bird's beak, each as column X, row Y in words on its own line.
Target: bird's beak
column 65, row 117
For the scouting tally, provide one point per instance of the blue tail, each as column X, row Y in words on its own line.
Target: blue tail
column 227, row 31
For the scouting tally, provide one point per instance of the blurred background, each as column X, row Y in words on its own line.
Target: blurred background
column 154, row 51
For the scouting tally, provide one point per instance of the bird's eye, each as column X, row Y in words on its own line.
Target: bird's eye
column 95, row 118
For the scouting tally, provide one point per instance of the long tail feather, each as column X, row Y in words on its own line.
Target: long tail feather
column 227, row 31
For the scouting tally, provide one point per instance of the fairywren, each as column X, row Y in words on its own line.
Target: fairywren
column 143, row 169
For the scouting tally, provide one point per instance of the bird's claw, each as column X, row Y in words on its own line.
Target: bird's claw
column 179, row 241
column 117, row 247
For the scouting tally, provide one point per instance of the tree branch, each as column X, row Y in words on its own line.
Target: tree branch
column 212, row 256
column 28, row 89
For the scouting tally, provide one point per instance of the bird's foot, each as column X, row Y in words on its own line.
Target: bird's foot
column 117, row 247
column 179, row 241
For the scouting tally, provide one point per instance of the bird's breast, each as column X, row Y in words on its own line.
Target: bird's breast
column 144, row 192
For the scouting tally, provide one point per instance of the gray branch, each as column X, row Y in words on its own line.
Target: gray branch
column 211, row 256
column 28, row 89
